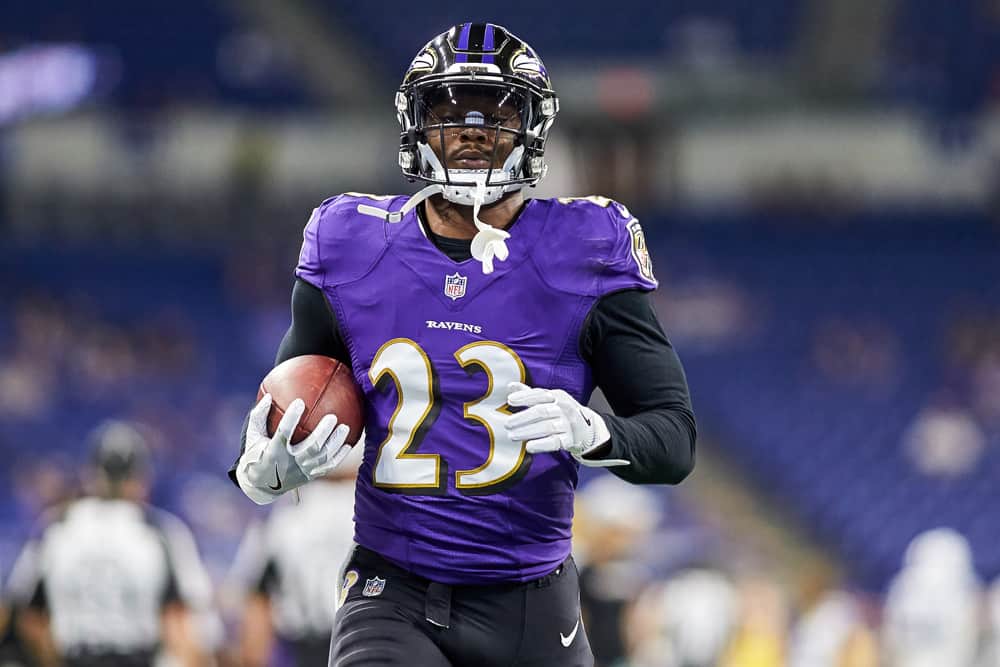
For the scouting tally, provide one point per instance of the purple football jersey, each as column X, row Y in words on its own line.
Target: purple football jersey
column 434, row 343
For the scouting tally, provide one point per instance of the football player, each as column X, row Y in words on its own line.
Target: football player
column 477, row 323
column 933, row 606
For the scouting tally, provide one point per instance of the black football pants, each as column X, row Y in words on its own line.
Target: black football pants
column 395, row 619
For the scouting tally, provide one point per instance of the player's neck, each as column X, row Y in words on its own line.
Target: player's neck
column 454, row 221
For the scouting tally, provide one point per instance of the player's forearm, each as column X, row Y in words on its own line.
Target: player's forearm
column 179, row 637
column 257, row 636
column 643, row 380
column 658, row 444
column 33, row 626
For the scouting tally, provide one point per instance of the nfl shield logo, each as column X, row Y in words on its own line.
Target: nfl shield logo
column 373, row 587
column 454, row 286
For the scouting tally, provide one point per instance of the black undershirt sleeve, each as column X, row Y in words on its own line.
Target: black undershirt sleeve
column 314, row 329
column 641, row 376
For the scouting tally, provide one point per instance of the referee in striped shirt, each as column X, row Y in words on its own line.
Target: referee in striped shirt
column 110, row 580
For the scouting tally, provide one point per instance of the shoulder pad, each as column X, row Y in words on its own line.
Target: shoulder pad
column 593, row 246
column 338, row 243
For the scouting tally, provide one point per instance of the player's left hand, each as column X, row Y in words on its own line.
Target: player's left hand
column 553, row 420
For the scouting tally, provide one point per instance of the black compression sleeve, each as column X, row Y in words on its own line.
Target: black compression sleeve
column 640, row 374
column 313, row 330
column 314, row 327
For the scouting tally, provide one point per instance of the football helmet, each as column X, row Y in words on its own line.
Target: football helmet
column 475, row 75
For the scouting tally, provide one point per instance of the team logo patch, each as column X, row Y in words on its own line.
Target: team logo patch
column 373, row 587
column 454, row 286
column 639, row 251
column 350, row 578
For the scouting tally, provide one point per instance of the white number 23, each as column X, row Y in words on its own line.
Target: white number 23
column 402, row 362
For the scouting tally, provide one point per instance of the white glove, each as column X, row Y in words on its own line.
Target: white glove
column 554, row 421
column 270, row 466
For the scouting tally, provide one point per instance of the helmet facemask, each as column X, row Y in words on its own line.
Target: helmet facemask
column 510, row 122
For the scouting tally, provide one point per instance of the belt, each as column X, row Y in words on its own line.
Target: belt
column 437, row 605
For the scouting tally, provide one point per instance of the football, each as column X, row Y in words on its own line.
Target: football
column 325, row 384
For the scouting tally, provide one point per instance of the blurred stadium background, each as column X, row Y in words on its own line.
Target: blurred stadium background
column 819, row 181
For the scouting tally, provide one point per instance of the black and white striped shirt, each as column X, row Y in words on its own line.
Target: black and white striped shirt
column 104, row 570
column 295, row 555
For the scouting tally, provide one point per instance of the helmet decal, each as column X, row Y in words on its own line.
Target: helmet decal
column 425, row 61
column 528, row 64
column 488, row 43
column 478, row 42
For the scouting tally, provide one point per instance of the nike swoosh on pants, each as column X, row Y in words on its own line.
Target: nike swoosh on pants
column 568, row 639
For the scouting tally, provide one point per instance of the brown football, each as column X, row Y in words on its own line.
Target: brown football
column 326, row 385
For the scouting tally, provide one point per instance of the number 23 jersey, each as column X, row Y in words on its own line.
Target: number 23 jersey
column 443, row 492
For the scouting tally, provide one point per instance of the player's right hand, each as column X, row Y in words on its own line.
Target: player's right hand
column 272, row 465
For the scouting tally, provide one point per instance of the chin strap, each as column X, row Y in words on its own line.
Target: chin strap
column 488, row 244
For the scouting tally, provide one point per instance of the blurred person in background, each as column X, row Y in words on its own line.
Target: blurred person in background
column 110, row 580
column 277, row 563
column 684, row 621
column 991, row 657
column 448, row 305
column 761, row 629
column 831, row 629
column 944, row 440
column 857, row 352
column 933, row 610
column 611, row 522
column 991, row 650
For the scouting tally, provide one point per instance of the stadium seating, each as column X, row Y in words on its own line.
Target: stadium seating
column 579, row 29
column 831, row 448
column 944, row 55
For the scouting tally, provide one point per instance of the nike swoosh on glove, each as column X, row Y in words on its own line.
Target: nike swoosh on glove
column 270, row 466
column 553, row 420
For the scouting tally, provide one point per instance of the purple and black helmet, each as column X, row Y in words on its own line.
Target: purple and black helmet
column 513, row 96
